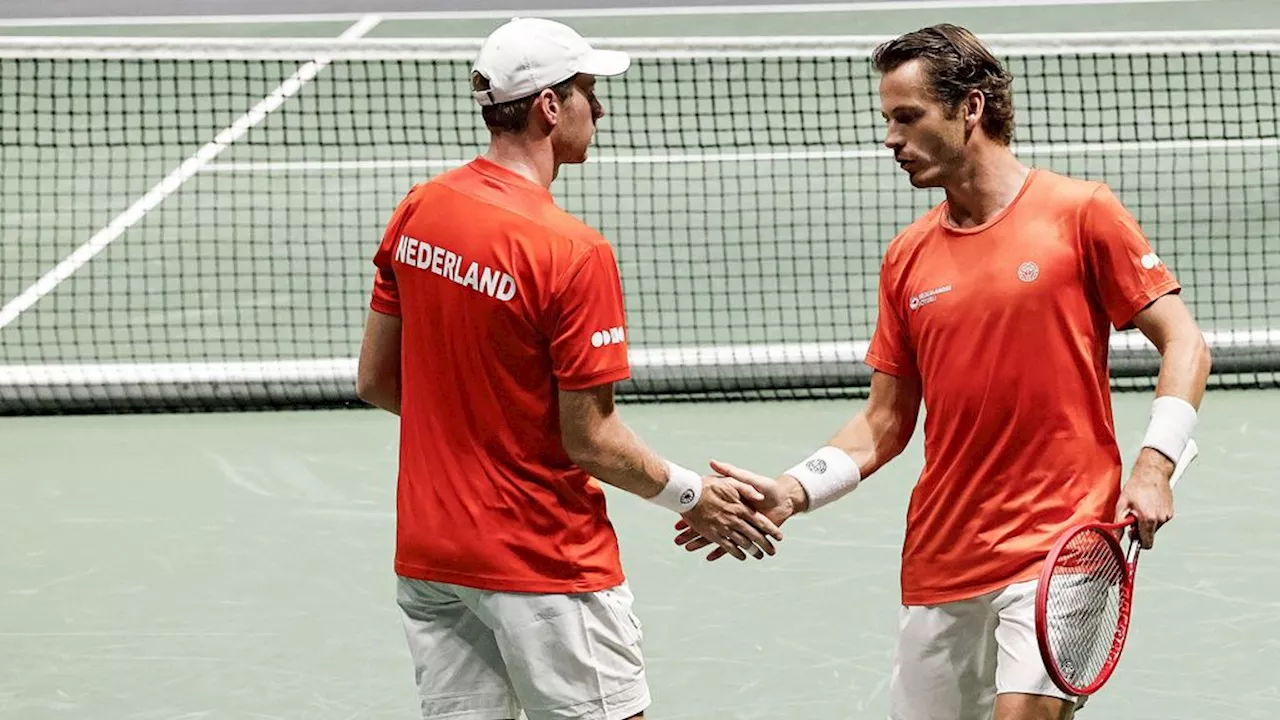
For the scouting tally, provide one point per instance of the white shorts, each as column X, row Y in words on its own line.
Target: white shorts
column 482, row 655
column 953, row 659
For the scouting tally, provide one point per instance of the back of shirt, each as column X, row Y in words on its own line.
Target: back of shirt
column 504, row 299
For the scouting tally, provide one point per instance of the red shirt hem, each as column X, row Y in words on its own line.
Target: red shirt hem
column 889, row 367
column 597, row 378
column 929, row 598
column 546, row 586
column 1141, row 300
column 383, row 307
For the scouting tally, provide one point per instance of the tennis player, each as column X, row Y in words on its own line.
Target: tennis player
column 995, row 311
column 496, row 333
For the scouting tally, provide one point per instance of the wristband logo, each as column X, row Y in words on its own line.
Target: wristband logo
column 686, row 497
column 817, row 466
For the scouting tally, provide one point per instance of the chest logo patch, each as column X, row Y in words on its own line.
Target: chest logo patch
column 1028, row 272
column 926, row 297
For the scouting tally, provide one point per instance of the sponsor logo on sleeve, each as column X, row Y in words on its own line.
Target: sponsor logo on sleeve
column 612, row 336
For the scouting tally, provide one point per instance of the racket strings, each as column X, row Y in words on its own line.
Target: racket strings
column 1083, row 606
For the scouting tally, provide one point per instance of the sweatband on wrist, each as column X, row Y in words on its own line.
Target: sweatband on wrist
column 827, row 475
column 1173, row 420
column 682, row 491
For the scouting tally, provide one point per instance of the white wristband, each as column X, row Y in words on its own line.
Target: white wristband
column 682, row 491
column 827, row 475
column 1173, row 420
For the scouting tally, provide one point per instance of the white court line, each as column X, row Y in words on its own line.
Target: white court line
column 877, row 153
column 174, row 180
column 436, row 49
column 706, row 10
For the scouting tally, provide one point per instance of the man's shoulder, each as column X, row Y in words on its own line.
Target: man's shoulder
column 456, row 178
column 569, row 227
column 537, row 216
column 416, row 192
column 430, row 188
column 557, row 237
column 913, row 236
column 1065, row 191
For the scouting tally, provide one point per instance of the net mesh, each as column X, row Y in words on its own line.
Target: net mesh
column 1082, row 612
column 189, row 225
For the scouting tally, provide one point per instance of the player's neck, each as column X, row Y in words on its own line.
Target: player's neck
column 988, row 183
column 534, row 161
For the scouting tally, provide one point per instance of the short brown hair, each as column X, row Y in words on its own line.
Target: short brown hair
column 513, row 116
column 957, row 62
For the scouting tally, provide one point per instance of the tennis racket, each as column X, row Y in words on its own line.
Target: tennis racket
column 1085, row 596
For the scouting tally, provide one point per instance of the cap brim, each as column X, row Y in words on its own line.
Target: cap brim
column 605, row 63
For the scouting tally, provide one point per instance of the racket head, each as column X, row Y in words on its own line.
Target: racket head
column 1083, row 604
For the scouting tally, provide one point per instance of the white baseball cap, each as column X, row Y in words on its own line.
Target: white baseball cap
column 528, row 55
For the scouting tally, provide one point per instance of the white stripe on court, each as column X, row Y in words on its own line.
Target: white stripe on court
column 863, row 153
column 174, row 180
column 658, row 11
column 438, row 49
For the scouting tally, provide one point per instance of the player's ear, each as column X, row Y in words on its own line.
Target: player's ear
column 974, row 103
column 549, row 106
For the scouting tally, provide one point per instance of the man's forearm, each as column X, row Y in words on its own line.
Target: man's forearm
column 871, row 441
column 1184, row 368
column 615, row 455
column 1184, row 372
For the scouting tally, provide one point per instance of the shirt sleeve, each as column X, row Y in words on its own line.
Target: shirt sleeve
column 386, row 293
column 589, row 332
column 891, row 350
column 1125, row 271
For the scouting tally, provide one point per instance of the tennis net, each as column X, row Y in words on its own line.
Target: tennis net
column 189, row 222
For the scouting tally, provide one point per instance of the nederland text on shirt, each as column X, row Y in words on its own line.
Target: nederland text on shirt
column 448, row 264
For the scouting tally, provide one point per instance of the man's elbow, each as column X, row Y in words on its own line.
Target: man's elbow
column 365, row 388
column 1204, row 357
column 896, row 443
column 374, row 390
column 581, row 448
column 590, row 442
column 1193, row 351
column 894, row 433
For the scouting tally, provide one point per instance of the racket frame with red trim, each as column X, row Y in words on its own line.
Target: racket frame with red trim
column 1110, row 532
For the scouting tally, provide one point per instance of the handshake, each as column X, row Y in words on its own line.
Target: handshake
column 739, row 512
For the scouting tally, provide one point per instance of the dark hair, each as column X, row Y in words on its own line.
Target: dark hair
column 513, row 116
column 957, row 62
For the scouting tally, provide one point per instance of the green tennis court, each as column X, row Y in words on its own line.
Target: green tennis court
column 238, row 565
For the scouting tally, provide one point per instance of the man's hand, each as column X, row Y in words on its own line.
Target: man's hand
column 775, row 501
column 1147, row 496
column 723, row 517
